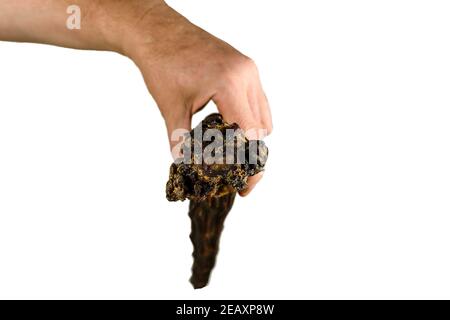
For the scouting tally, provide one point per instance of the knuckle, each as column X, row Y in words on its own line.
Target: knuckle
column 248, row 66
column 250, row 63
column 239, row 66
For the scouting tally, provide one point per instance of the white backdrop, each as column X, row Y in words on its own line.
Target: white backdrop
column 354, row 202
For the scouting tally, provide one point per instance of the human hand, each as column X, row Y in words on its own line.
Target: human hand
column 185, row 67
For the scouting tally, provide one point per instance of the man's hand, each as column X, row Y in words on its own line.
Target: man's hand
column 184, row 67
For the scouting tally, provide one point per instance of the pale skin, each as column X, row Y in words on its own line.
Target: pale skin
column 183, row 66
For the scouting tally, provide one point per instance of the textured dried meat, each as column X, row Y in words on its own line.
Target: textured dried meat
column 210, row 181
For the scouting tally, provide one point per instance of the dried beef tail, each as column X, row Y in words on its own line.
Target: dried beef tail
column 207, row 220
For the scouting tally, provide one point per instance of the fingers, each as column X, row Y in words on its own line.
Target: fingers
column 234, row 107
column 238, row 94
column 243, row 101
column 266, row 114
column 177, row 127
column 251, row 184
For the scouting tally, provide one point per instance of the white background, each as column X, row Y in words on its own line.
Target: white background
column 354, row 202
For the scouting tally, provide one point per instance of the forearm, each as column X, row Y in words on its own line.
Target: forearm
column 105, row 24
column 183, row 66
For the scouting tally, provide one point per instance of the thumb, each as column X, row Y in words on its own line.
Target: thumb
column 177, row 128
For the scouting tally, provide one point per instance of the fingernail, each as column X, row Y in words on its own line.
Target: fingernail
column 246, row 191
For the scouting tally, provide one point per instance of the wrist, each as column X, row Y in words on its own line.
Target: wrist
column 123, row 25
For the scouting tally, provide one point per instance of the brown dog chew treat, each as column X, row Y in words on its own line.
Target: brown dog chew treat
column 206, row 176
column 207, row 219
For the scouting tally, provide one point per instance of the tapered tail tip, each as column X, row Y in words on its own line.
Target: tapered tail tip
column 198, row 283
